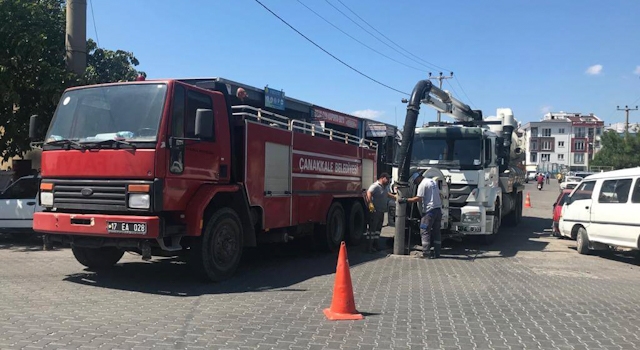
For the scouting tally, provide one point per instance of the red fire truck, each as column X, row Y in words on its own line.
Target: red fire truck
column 168, row 167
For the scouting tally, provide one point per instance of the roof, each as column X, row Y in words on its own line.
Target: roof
column 615, row 173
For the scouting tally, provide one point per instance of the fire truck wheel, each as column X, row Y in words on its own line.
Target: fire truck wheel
column 333, row 233
column 217, row 253
column 357, row 224
column 97, row 258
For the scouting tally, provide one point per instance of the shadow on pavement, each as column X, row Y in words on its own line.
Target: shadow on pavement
column 276, row 267
column 627, row 257
column 23, row 242
column 508, row 242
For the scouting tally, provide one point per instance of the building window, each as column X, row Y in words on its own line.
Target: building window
column 533, row 158
column 561, row 157
column 560, row 144
column 534, row 132
column 578, row 158
column 580, row 133
column 561, row 131
column 591, row 131
column 546, row 146
column 545, row 157
column 598, row 131
column 579, row 145
column 534, row 145
column 546, row 132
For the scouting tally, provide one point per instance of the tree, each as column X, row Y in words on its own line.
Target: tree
column 33, row 74
column 618, row 152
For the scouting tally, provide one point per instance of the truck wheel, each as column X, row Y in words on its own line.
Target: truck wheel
column 357, row 223
column 330, row 236
column 97, row 258
column 216, row 254
column 582, row 241
column 513, row 219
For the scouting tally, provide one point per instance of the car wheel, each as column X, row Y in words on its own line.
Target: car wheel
column 582, row 241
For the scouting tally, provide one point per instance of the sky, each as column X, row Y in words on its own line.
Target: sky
column 531, row 56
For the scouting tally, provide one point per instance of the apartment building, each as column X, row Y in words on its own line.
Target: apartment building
column 562, row 141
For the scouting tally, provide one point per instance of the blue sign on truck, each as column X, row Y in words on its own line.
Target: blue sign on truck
column 274, row 98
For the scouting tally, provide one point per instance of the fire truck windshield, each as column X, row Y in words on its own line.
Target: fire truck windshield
column 460, row 152
column 128, row 112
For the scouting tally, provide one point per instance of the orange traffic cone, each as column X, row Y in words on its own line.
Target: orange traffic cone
column 343, row 306
column 527, row 202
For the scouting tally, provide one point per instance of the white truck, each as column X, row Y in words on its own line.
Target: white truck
column 474, row 160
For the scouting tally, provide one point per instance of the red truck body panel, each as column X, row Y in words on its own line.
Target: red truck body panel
column 320, row 170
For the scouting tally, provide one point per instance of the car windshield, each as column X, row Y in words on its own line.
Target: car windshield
column 23, row 188
column 465, row 153
column 574, row 179
column 125, row 112
column 563, row 199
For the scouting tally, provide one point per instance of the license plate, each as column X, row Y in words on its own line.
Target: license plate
column 132, row 228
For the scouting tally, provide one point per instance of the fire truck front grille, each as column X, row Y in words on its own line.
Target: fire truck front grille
column 90, row 195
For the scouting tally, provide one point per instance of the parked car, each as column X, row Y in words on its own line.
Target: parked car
column 583, row 174
column 18, row 202
column 557, row 211
column 570, row 182
column 600, row 212
column 531, row 176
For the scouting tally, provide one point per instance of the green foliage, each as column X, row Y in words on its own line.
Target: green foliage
column 33, row 73
column 618, row 151
column 105, row 66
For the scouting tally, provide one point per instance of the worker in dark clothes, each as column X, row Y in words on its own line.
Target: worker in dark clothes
column 429, row 196
column 378, row 196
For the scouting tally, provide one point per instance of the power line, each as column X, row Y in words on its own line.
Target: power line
column 358, row 41
column 464, row 92
column 93, row 18
column 393, row 42
column 452, row 88
column 396, row 44
column 329, row 53
column 374, row 36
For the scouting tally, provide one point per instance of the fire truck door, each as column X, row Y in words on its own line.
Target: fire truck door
column 188, row 159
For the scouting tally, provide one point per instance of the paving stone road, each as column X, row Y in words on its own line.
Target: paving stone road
column 526, row 291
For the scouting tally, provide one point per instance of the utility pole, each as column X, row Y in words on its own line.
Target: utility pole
column 440, row 78
column 76, row 36
column 626, row 122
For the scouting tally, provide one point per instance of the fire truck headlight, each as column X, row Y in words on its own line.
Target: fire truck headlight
column 46, row 199
column 139, row 201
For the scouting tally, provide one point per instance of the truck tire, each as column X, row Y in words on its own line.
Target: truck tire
column 330, row 236
column 97, row 258
column 582, row 241
column 215, row 255
column 356, row 224
column 514, row 218
column 488, row 239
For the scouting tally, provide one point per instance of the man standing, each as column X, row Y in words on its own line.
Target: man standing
column 429, row 195
column 547, row 177
column 378, row 196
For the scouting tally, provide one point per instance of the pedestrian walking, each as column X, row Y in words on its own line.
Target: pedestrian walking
column 429, row 196
column 378, row 196
column 547, row 177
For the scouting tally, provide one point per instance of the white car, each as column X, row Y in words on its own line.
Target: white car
column 18, row 202
column 570, row 182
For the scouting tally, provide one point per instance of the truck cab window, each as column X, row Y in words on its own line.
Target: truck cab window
column 195, row 101
column 177, row 118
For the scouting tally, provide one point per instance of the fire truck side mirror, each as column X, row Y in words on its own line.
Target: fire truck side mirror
column 204, row 124
column 33, row 127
